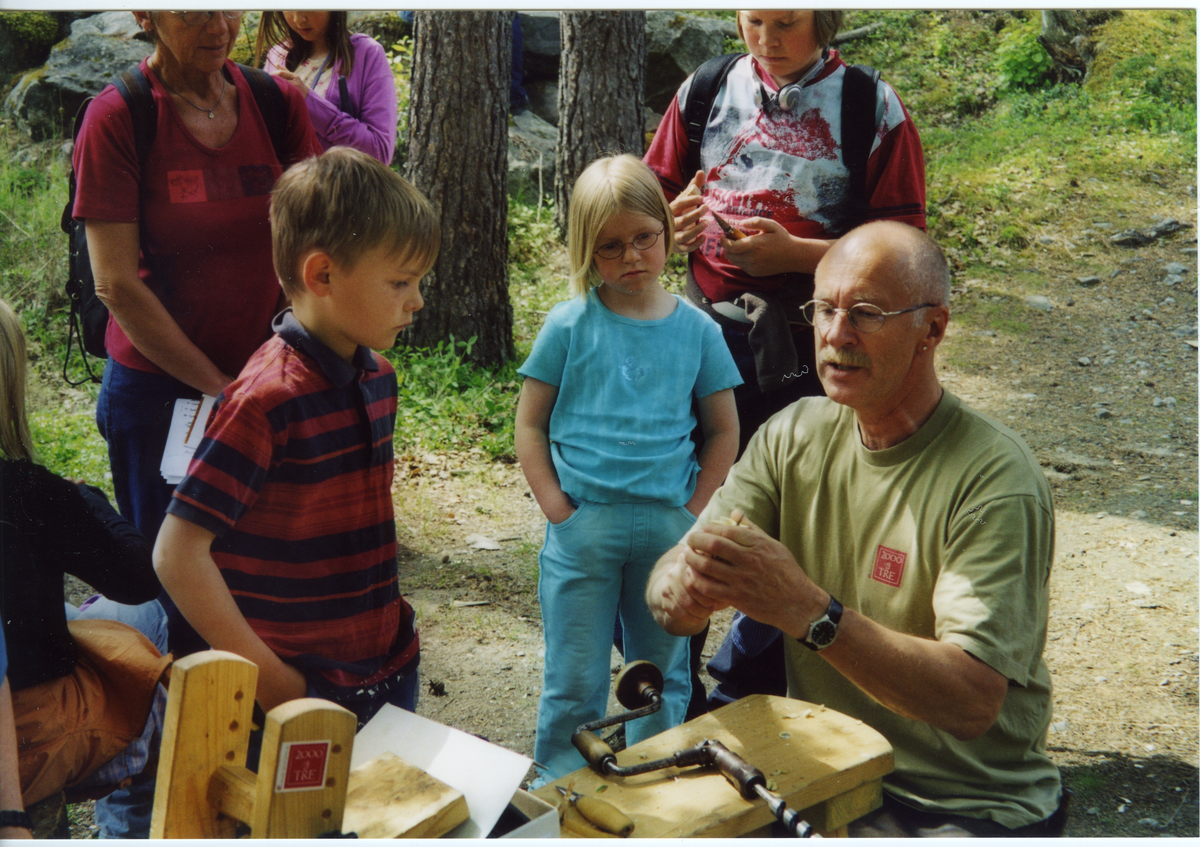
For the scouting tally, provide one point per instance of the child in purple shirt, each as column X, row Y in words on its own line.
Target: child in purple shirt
column 345, row 78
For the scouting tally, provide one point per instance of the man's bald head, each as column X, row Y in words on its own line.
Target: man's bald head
column 907, row 254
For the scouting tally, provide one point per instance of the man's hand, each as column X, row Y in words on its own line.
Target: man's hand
column 743, row 567
column 689, row 210
column 677, row 609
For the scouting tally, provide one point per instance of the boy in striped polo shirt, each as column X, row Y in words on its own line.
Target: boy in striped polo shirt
column 280, row 544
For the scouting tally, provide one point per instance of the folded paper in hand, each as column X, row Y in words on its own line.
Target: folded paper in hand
column 188, row 422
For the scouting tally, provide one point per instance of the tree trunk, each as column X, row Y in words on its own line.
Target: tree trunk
column 457, row 157
column 600, row 94
column 1067, row 37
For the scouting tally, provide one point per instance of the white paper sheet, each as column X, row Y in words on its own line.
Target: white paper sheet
column 188, row 420
column 486, row 774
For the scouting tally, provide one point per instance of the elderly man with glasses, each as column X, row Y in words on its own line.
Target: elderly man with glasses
column 902, row 542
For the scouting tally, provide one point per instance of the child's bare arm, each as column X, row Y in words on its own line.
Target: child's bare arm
column 719, row 422
column 185, row 566
column 532, row 440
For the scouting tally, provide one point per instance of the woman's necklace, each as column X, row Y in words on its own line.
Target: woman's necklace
column 224, row 82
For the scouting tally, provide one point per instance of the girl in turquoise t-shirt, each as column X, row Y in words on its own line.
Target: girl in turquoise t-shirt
column 616, row 381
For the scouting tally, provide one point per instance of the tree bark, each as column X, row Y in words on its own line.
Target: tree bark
column 457, row 157
column 601, row 89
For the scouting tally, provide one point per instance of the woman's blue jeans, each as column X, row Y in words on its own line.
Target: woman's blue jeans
column 133, row 413
column 599, row 557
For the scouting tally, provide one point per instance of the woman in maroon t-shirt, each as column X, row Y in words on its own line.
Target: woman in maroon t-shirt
column 180, row 241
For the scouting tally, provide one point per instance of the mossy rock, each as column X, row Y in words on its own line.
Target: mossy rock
column 36, row 30
column 26, row 39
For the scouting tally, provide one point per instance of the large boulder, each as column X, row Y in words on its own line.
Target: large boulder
column 385, row 27
column 677, row 44
column 543, row 99
column 541, row 44
column 531, row 145
column 44, row 102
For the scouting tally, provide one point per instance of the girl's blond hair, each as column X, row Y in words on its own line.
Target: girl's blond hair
column 15, row 441
column 606, row 187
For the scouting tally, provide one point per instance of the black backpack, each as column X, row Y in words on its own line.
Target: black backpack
column 858, row 122
column 88, row 318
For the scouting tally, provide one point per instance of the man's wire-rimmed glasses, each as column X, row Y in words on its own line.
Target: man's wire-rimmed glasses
column 616, row 249
column 195, row 18
column 865, row 317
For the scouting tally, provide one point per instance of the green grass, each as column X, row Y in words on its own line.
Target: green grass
column 69, row 445
column 1005, row 162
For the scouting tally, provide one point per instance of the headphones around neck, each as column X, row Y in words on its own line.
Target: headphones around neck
column 788, row 97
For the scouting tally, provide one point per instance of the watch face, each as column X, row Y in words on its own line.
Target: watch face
column 823, row 633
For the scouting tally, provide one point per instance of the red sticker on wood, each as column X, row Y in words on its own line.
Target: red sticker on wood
column 301, row 765
column 889, row 565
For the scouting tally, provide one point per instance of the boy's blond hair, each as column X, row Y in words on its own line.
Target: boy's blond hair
column 826, row 23
column 606, row 187
column 15, row 442
column 346, row 204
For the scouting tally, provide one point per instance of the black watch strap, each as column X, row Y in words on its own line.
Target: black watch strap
column 12, row 817
column 823, row 631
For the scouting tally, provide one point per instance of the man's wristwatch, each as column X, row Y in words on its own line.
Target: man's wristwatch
column 12, row 817
column 824, row 629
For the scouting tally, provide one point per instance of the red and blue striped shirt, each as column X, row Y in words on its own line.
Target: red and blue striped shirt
column 294, row 477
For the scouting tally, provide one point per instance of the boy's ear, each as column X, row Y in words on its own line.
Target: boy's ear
column 314, row 272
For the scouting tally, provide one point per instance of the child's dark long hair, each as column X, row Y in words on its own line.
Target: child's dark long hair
column 273, row 29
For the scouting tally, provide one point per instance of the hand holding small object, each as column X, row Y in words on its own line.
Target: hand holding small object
column 688, row 209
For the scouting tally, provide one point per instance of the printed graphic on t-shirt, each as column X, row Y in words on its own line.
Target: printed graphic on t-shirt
column 186, row 186
column 757, row 174
column 631, row 370
column 889, row 565
column 220, row 183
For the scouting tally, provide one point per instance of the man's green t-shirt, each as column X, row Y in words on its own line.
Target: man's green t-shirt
column 947, row 535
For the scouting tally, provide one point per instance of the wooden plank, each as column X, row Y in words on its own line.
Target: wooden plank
column 838, row 811
column 811, row 754
column 389, row 798
column 306, row 798
column 206, row 726
column 232, row 791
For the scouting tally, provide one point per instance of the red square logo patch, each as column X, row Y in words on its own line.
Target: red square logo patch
column 302, row 765
column 889, row 565
column 186, row 187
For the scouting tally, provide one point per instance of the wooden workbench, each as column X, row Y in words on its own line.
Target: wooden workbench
column 820, row 761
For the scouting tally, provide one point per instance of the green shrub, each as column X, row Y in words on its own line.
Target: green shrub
column 532, row 234
column 1021, row 62
column 447, row 403
column 35, row 33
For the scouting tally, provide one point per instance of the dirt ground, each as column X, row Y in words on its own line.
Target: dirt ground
column 1122, row 461
column 1123, row 619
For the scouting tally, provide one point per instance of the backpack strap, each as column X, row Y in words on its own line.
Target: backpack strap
column 859, row 96
column 271, row 105
column 134, row 89
column 706, row 82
